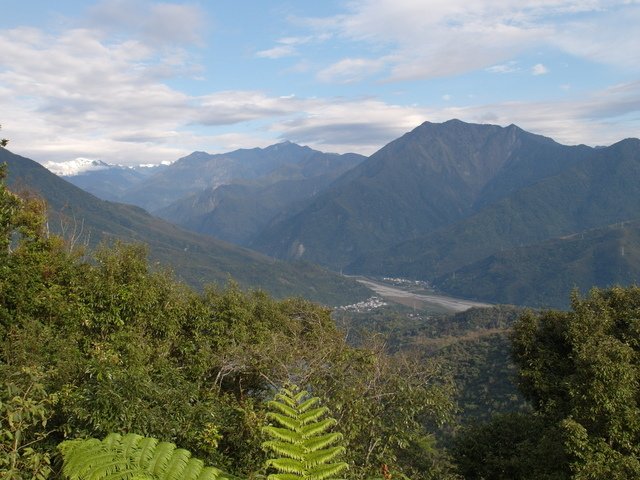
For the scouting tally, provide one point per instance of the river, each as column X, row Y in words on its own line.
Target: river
column 398, row 295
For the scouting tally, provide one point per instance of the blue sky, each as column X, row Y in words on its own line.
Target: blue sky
column 140, row 81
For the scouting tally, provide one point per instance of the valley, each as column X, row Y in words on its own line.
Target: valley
column 422, row 301
column 483, row 212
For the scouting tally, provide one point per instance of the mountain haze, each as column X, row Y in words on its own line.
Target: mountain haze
column 237, row 211
column 199, row 171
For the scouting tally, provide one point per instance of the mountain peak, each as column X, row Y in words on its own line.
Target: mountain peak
column 76, row 167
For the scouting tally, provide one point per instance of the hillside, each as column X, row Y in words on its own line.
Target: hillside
column 428, row 179
column 531, row 275
column 197, row 259
column 598, row 191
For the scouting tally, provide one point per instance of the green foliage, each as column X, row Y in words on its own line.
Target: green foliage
column 581, row 369
column 25, row 409
column 307, row 450
column 132, row 457
column 513, row 446
column 127, row 348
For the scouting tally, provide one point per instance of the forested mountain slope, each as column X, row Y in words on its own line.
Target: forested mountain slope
column 198, row 259
column 428, row 179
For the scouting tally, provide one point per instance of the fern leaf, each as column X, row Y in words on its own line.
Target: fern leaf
column 286, row 450
column 192, row 469
column 322, row 472
column 312, row 415
column 307, row 404
column 283, row 476
column 132, row 457
column 317, row 428
column 283, row 408
column 283, row 434
column 212, row 473
column 161, row 458
column 177, row 464
column 146, row 448
column 298, row 397
column 323, row 456
column 290, row 423
column 316, row 443
column 129, row 444
column 286, row 397
column 301, row 440
column 287, row 465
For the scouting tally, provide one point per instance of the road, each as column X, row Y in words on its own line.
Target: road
column 450, row 303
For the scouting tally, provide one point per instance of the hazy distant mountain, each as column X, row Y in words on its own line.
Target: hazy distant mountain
column 196, row 258
column 112, row 183
column 237, row 211
column 199, row 171
column 430, row 178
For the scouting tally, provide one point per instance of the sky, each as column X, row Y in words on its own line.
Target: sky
column 140, row 81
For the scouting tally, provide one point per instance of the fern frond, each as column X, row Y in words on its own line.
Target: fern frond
column 285, row 450
column 316, row 443
column 283, row 408
column 312, row 415
column 317, row 428
column 177, row 464
column 322, row 472
column 283, row 434
column 300, row 441
column 161, row 458
column 307, row 404
column 192, row 469
column 298, row 397
column 283, row 476
column 286, row 396
column 287, row 465
column 132, row 457
column 143, row 455
column 290, row 423
column 323, row 456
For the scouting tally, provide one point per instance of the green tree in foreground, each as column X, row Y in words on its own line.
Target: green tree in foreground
column 580, row 371
column 301, row 439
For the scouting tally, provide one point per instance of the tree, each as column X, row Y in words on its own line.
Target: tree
column 581, row 371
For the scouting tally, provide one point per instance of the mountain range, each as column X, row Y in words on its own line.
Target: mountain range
column 481, row 211
column 197, row 259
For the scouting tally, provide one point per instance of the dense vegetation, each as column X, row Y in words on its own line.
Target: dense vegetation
column 102, row 344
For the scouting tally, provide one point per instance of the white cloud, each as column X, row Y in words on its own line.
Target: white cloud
column 277, row 52
column 82, row 94
column 351, row 70
column 449, row 37
column 509, row 67
column 539, row 69
column 286, row 47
